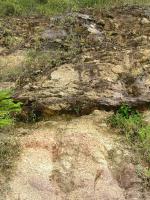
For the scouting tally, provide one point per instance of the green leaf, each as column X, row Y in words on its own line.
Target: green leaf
column 7, row 108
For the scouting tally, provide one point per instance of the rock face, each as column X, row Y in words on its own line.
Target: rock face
column 68, row 160
column 111, row 64
column 104, row 60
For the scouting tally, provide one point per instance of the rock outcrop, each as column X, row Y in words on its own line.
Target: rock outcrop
column 110, row 64
column 93, row 59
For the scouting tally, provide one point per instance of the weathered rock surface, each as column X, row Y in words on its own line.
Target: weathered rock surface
column 51, row 34
column 68, row 160
column 112, row 65
column 104, row 60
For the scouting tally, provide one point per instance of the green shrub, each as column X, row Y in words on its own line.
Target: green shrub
column 7, row 8
column 88, row 3
column 129, row 122
column 42, row 1
column 46, row 7
column 7, row 108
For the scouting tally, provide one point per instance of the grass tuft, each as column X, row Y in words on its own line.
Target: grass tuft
column 130, row 122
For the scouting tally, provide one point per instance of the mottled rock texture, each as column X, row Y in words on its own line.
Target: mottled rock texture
column 69, row 160
column 111, row 64
column 97, row 59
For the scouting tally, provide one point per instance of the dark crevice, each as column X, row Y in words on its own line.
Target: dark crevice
column 34, row 112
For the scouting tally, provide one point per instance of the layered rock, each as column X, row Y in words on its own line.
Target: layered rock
column 111, row 65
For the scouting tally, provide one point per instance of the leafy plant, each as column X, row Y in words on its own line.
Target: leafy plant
column 9, row 145
column 126, row 111
column 130, row 122
column 127, row 119
column 7, row 108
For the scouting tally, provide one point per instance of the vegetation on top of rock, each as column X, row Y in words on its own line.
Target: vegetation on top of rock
column 127, row 120
column 76, row 62
column 130, row 122
column 27, row 7
column 7, row 108
column 94, row 48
